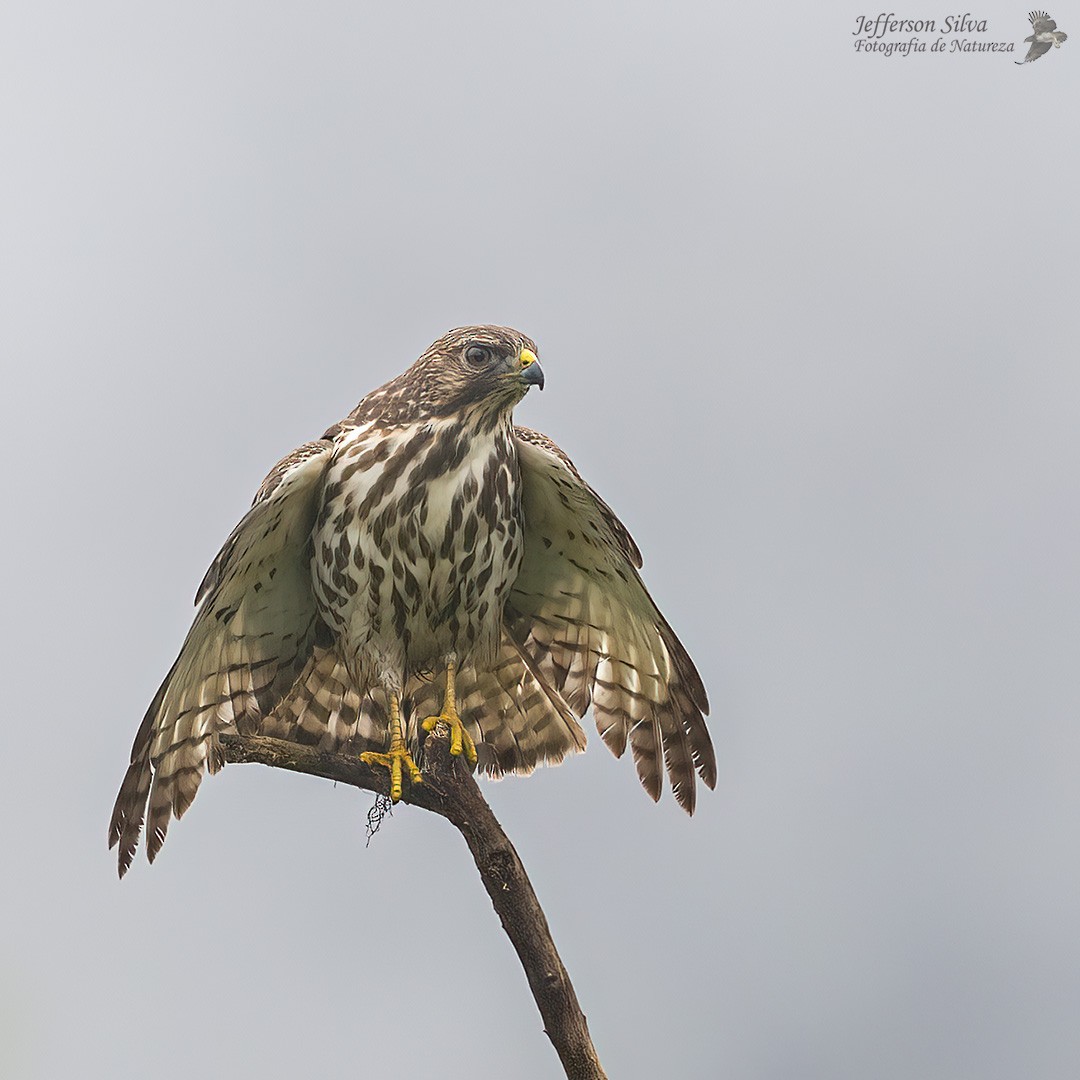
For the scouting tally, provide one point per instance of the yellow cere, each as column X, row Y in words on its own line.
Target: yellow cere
column 527, row 357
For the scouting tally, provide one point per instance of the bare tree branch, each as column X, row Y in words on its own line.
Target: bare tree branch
column 450, row 791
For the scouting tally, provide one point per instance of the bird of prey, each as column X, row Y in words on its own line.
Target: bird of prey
column 1046, row 34
column 424, row 561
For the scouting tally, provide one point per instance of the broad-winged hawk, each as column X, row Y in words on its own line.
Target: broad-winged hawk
column 1046, row 34
column 424, row 560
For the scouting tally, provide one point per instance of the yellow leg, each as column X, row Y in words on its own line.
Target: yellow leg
column 397, row 756
column 460, row 739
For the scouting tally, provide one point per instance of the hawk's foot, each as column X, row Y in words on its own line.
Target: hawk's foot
column 397, row 758
column 460, row 740
column 398, row 761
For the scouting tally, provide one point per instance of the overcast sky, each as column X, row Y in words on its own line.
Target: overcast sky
column 808, row 321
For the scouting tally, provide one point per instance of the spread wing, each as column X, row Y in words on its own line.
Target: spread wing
column 1036, row 50
column 1041, row 22
column 581, row 613
column 1043, row 38
column 254, row 630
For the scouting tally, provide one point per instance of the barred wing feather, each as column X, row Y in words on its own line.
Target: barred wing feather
column 580, row 611
column 254, row 630
column 1041, row 22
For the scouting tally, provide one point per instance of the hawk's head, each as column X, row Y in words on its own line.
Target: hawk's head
column 490, row 366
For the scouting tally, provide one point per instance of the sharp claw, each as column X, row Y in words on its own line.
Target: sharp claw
column 460, row 739
column 470, row 747
column 395, row 778
column 397, row 755
column 393, row 762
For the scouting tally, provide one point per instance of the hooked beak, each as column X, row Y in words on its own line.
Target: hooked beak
column 531, row 372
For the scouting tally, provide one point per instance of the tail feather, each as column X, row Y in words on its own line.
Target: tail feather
column 514, row 714
column 325, row 710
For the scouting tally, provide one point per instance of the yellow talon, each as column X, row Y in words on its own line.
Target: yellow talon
column 460, row 739
column 397, row 756
column 394, row 761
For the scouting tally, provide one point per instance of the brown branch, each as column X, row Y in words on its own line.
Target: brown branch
column 450, row 791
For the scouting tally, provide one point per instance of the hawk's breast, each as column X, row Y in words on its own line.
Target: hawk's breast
column 417, row 544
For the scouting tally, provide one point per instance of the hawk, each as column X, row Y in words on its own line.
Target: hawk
column 424, row 561
column 1046, row 34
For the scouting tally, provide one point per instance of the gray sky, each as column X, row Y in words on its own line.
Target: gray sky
column 808, row 323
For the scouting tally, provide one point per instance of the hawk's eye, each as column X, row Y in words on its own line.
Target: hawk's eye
column 477, row 355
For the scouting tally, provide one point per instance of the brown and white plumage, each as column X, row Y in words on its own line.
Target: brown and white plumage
column 424, row 529
column 1045, row 34
column 580, row 609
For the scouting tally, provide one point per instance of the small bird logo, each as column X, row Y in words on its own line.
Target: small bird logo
column 1046, row 34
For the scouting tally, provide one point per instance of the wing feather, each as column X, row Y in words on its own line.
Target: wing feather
column 252, row 635
column 579, row 609
column 1038, row 48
